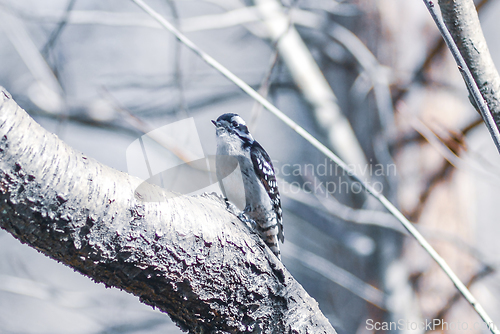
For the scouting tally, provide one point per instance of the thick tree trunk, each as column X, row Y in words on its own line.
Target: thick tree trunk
column 187, row 256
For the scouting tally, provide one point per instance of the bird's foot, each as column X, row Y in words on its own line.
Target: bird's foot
column 241, row 215
column 250, row 222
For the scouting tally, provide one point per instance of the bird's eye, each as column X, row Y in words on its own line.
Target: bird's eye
column 235, row 124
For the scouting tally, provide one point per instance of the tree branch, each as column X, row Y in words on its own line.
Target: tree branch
column 187, row 256
column 463, row 23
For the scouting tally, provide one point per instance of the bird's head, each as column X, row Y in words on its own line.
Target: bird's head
column 232, row 127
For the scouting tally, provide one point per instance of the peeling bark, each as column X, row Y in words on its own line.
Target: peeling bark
column 187, row 256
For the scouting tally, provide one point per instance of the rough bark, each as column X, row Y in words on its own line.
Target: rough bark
column 187, row 256
column 463, row 23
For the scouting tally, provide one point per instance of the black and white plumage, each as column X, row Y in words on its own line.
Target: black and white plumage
column 243, row 167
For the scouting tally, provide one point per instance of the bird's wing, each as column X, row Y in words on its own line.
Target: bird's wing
column 265, row 172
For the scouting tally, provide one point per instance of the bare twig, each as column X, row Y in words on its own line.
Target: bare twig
column 485, row 271
column 449, row 154
column 322, row 148
column 263, row 90
column 471, row 126
column 450, row 148
column 178, row 76
column 60, row 27
column 415, row 137
column 433, row 181
column 455, row 143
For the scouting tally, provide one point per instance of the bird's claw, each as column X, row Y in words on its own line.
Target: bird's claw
column 241, row 215
column 250, row 222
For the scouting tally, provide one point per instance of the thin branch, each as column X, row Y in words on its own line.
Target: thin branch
column 450, row 149
column 60, row 27
column 476, row 277
column 448, row 153
column 471, row 126
column 416, row 137
column 472, row 85
column 326, row 151
column 455, row 144
column 263, row 90
column 178, row 76
column 434, row 180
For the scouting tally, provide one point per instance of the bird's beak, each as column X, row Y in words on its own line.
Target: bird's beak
column 215, row 123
